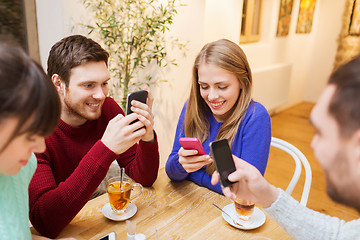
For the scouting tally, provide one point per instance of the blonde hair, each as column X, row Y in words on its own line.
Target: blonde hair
column 228, row 56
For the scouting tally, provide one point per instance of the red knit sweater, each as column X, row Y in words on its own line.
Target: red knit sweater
column 74, row 164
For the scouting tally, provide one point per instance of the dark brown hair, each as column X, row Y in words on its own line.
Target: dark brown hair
column 73, row 51
column 345, row 104
column 27, row 94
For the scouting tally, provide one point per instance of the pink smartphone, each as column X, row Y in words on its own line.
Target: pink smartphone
column 190, row 143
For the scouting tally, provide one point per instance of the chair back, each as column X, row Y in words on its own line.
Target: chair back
column 300, row 160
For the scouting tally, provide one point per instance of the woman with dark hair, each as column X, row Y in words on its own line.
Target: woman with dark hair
column 29, row 110
column 220, row 107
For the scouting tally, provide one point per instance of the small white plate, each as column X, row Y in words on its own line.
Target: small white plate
column 129, row 212
column 257, row 218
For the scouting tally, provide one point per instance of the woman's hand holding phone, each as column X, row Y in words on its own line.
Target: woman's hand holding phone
column 192, row 162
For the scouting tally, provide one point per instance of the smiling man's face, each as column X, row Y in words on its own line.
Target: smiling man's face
column 82, row 100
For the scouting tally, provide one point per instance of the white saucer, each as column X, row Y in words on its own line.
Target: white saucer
column 257, row 218
column 129, row 212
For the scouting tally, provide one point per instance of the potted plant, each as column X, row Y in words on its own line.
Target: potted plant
column 133, row 32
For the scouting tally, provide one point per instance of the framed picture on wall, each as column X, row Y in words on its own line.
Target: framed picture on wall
column 284, row 18
column 354, row 26
column 306, row 14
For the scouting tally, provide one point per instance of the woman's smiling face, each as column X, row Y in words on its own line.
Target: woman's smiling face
column 219, row 88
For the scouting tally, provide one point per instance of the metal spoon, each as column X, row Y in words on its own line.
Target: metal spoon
column 235, row 222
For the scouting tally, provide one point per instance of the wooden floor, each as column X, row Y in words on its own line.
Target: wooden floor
column 293, row 126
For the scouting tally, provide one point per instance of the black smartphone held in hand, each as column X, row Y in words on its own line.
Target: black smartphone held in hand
column 224, row 163
column 140, row 96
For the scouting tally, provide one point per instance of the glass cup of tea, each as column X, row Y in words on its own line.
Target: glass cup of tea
column 121, row 194
column 244, row 208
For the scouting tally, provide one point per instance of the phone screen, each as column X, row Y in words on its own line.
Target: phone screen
column 224, row 162
column 109, row 236
column 140, row 96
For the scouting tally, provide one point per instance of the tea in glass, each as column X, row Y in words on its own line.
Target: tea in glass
column 119, row 193
column 119, row 198
column 244, row 208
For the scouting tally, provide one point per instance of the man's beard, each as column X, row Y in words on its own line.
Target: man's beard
column 345, row 193
column 76, row 112
column 346, row 197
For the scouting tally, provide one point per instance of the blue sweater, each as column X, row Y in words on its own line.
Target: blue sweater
column 251, row 143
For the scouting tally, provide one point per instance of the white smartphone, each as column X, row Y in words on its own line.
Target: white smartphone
column 109, row 236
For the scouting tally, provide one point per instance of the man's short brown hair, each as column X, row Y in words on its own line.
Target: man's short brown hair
column 345, row 104
column 71, row 52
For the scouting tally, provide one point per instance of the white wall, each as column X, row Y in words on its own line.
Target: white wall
column 56, row 18
column 170, row 97
column 327, row 30
column 50, row 26
column 295, row 49
column 222, row 20
column 311, row 55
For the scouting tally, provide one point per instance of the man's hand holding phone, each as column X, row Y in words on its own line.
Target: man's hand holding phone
column 122, row 132
column 120, row 135
column 248, row 184
column 192, row 156
column 140, row 103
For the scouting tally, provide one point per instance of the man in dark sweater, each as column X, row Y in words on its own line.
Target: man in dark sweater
column 92, row 133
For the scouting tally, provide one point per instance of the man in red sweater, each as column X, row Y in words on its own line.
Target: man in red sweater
column 92, row 133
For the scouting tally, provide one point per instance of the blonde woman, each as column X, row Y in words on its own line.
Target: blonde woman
column 220, row 107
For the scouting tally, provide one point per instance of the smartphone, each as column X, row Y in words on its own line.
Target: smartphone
column 191, row 143
column 140, row 96
column 109, row 236
column 224, row 163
